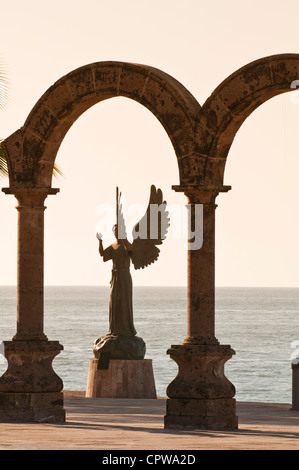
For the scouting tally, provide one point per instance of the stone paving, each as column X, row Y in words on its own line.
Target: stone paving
column 128, row 425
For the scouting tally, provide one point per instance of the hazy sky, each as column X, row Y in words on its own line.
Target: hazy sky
column 119, row 142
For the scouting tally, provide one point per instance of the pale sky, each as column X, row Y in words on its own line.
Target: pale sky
column 119, row 142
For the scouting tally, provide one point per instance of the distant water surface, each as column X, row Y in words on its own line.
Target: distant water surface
column 259, row 323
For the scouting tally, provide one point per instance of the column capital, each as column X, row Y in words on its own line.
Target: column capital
column 31, row 196
column 201, row 194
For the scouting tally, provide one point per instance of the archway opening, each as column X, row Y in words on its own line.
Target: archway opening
column 257, row 274
column 117, row 142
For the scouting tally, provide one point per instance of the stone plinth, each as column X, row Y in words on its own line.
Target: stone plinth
column 211, row 414
column 201, row 396
column 295, row 387
column 121, row 379
column 30, row 390
column 31, row 407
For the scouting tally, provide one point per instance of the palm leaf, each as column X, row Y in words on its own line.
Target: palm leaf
column 4, row 170
column 3, row 88
column 3, row 163
column 3, row 100
column 57, row 173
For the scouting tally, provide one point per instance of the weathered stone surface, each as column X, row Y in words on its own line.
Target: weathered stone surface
column 196, row 407
column 284, row 69
column 201, row 372
column 189, row 165
column 59, row 100
column 245, row 86
column 201, row 414
column 69, row 97
column 208, row 130
column 30, row 367
column 235, row 99
column 295, row 387
column 80, row 84
column 106, row 78
column 31, row 407
column 122, row 379
column 132, row 82
column 42, row 121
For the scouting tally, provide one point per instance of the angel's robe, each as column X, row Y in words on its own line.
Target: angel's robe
column 121, row 302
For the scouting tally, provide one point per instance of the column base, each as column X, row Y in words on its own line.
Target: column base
column 122, row 378
column 218, row 414
column 32, row 407
column 29, row 367
column 295, row 387
column 200, row 395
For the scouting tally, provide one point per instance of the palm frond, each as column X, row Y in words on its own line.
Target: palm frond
column 57, row 173
column 3, row 163
column 4, row 87
column 3, row 100
column 4, row 170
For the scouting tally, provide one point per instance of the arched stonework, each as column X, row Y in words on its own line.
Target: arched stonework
column 200, row 396
column 31, row 151
column 233, row 101
column 201, row 136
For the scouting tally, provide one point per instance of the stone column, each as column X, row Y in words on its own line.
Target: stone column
column 201, row 272
column 201, row 396
column 30, row 269
column 29, row 389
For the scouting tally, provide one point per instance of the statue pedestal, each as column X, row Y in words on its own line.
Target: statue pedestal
column 122, row 378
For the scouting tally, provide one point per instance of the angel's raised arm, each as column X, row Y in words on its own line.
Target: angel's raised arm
column 100, row 238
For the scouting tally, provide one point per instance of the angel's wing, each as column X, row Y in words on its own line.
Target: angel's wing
column 150, row 231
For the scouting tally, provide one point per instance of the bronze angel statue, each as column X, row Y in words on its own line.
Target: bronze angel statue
column 121, row 341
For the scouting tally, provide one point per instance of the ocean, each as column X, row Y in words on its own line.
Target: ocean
column 260, row 324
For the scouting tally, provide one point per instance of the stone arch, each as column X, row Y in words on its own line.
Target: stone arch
column 200, row 396
column 31, row 153
column 233, row 101
column 31, row 150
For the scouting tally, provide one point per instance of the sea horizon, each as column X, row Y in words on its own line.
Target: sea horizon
column 164, row 285
column 259, row 323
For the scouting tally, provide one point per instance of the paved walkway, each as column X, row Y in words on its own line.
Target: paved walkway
column 126, row 424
